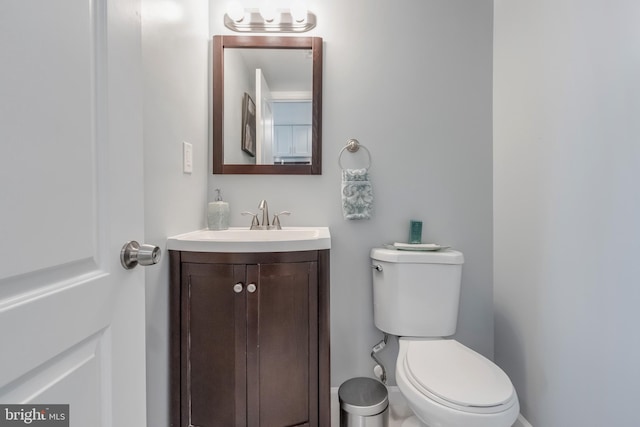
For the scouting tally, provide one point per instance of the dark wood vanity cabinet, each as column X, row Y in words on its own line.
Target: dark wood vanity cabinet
column 250, row 339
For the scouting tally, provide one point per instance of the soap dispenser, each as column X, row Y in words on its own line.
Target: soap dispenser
column 218, row 214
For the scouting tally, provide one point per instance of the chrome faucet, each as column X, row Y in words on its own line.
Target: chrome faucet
column 265, row 225
column 265, row 214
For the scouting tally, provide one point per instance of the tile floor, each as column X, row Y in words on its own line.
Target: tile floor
column 399, row 411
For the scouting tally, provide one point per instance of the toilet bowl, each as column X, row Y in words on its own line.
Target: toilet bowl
column 449, row 385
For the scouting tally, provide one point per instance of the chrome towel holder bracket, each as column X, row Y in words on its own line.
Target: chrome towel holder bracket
column 353, row 145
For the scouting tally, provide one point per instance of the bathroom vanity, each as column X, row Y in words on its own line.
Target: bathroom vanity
column 249, row 337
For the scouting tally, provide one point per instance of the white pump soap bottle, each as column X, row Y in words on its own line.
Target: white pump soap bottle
column 218, row 214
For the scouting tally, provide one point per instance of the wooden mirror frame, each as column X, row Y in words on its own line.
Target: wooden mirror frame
column 266, row 42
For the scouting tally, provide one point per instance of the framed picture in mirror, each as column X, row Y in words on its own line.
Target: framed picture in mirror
column 248, row 125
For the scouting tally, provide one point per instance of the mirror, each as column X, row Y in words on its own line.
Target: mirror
column 267, row 105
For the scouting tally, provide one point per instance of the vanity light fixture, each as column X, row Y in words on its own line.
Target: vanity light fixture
column 268, row 18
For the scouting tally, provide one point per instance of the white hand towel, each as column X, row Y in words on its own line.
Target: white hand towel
column 357, row 194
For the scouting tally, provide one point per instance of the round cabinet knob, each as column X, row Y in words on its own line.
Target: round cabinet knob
column 251, row 288
column 237, row 288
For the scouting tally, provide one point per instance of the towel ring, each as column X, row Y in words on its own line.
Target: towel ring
column 352, row 146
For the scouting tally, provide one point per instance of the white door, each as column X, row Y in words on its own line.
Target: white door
column 264, row 120
column 71, row 318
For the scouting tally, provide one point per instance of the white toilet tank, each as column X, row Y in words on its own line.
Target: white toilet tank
column 416, row 294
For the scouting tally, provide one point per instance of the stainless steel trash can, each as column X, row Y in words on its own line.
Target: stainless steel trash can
column 364, row 402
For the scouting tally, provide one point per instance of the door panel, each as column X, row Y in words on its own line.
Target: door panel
column 281, row 305
column 214, row 342
column 70, row 120
column 46, row 115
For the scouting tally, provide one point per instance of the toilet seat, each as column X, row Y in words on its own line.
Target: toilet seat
column 457, row 377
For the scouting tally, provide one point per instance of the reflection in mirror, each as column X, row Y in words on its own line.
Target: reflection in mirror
column 266, row 105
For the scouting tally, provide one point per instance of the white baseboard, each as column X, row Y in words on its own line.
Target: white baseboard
column 335, row 408
column 396, row 399
column 522, row 422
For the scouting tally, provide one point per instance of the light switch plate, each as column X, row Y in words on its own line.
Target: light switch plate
column 187, row 157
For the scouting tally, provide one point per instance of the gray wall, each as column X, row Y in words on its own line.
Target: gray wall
column 566, row 208
column 175, row 58
column 412, row 82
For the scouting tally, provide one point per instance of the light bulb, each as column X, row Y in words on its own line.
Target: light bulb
column 235, row 10
column 268, row 11
column 299, row 11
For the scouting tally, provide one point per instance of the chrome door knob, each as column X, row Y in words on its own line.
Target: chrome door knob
column 133, row 253
column 237, row 288
column 251, row 288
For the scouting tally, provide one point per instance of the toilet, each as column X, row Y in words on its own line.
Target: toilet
column 416, row 297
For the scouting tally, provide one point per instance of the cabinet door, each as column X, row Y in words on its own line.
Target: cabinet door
column 282, row 140
column 301, row 140
column 213, row 346
column 282, row 361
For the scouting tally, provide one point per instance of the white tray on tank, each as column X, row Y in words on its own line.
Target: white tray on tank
column 416, row 246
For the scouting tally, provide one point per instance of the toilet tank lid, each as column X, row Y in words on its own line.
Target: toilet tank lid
column 447, row 256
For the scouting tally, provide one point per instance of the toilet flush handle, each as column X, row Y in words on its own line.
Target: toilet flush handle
column 376, row 267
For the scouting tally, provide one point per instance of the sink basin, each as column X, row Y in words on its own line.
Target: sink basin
column 241, row 239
